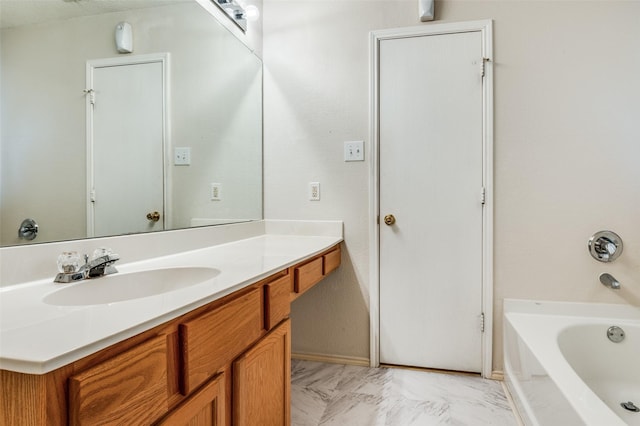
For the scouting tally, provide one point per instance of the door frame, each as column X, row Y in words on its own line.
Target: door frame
column 92, row 64
column 485, row 27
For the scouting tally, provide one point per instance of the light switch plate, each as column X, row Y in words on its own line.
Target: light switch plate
column 182, row 156
column 354, row 151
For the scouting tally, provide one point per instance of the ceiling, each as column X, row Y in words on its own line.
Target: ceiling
column 15, row 13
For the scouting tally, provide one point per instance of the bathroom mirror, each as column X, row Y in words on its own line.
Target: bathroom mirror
column 210, row 108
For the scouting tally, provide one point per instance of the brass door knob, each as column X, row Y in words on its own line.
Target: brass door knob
column 389, row 219
column 155, row 216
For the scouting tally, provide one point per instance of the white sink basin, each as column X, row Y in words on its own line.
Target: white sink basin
column 127, row 286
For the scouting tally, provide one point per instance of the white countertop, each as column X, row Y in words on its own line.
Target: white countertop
column 37, row 338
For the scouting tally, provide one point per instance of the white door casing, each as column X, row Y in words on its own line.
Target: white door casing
column 127, row 144
column 478, row 35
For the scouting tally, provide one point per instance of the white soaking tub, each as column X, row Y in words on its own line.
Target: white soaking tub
column 562, row 369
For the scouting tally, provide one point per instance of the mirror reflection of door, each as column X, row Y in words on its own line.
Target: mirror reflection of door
column 126, row 139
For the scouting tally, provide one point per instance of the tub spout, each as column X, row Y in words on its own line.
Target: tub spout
column 608, row 281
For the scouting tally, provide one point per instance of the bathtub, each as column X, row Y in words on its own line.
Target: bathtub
column 562, row 369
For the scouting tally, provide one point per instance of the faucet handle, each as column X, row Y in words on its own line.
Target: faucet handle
column 101, row 252
column 610, row 247
column 605, row 246
column 68, row 262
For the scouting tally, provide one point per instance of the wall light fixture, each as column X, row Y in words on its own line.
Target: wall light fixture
column 234, row 11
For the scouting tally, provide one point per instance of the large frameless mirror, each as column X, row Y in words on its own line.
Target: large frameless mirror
column 98, row 141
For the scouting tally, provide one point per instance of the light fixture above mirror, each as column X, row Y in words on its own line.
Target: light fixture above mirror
column 234, row 11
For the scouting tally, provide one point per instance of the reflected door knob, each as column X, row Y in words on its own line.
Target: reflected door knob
column 154, row 216
column 389, row 219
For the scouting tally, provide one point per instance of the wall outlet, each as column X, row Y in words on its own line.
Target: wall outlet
column 314, row 191
column 215, row 191
column 182, row 156
column 354, row 151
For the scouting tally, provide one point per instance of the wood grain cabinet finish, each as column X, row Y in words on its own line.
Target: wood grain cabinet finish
column 331, row 261
column 261, row 381
column 276, row 301
column 214, row 339
column 206, row 407
column 310, row 273
column 130, row 388
column 225, row 363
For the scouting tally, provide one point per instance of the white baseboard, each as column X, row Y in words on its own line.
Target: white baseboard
column 363, row 362
column 333, row 359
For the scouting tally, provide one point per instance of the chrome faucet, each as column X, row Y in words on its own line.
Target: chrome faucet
column 608, row 281
column 101, row 264
column 605, row 246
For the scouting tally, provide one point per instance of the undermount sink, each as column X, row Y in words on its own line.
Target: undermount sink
column 128, row 286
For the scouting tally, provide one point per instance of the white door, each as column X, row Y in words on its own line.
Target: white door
column 431, row 177
column 126, row 168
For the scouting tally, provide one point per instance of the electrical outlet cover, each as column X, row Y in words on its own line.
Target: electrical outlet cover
column 215, row 191
column 314, row 191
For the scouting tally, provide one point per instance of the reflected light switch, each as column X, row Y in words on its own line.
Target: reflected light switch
column 182, row 156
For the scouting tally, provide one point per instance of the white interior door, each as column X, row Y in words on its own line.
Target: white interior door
column 431, row 179
column 127, row 148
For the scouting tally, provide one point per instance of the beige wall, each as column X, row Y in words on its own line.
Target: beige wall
column 567, row 148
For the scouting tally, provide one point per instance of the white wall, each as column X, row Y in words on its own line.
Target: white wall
column 567, row 154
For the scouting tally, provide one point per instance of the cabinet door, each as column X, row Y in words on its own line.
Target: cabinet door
column 262, row 381
column 204, row 408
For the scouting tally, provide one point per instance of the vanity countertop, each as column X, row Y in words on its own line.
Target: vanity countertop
column 36, row 337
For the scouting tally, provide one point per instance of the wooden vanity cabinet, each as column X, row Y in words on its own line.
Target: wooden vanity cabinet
column 225, row 363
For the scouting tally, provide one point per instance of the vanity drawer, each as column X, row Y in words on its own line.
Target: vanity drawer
column 331, row 261
column 277, row 303
column 130, row 388
column 307, row 275
column 213, row 339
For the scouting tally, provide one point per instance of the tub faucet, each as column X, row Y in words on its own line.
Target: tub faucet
column 608, row 281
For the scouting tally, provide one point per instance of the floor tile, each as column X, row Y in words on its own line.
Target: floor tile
column 337, row 395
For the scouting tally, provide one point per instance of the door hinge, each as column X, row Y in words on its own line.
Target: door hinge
column 92, row 95
column 92, row 196
column 483, row 66
column 483, row 195
column 482, row 322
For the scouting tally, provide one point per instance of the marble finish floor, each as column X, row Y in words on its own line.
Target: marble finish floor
column 343, row 395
